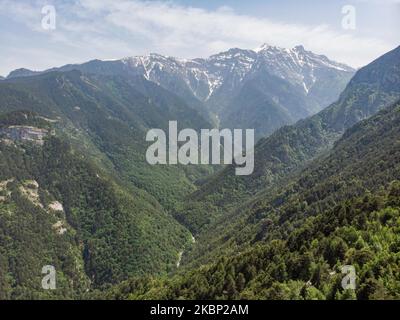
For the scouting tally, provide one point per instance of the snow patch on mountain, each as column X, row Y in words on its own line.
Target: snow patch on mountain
column 203, row 77
column 224, row 73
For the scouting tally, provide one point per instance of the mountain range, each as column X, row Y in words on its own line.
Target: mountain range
column 76, row 191
column 325, row 194
column 262, row 89
column 291, row 243
column 291, row 147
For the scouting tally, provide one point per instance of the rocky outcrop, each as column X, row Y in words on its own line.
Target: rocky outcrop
column 24, row 133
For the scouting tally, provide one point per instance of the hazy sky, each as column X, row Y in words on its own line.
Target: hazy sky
column 112, row 29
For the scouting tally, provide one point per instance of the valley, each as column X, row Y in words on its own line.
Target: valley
column 78, row 193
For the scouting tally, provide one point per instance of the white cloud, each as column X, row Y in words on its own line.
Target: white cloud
column 117, row 28
column 192, row 31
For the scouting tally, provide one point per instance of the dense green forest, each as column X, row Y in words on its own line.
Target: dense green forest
column 107, row 117
column 362, row 232
column 289, row 195
column 77, row 193
column 102, row 233
column 291, row 148
column 344, row 209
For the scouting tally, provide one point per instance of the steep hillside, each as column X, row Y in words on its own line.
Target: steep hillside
column 290, row 148
column 343, row 209
column 107, row 117
column 279, row 86
column 266, row 103
column 59, row 208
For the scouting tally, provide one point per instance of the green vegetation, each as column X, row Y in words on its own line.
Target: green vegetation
column 362, row 232
column 107, row 117
column 291, row 148
column 325, row 193
column 344, row 209
column 111, row 232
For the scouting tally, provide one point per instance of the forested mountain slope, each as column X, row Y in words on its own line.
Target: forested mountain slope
column 76, row 190
column 261, row 89
column 59, row 208
column 290, row 148
column 343, row 209
column 107, row 117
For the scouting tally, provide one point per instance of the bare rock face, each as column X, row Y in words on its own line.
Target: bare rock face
column 30, row 189
column 24, row 133
column 59, row 227
column 4, row 192
column 56, row 206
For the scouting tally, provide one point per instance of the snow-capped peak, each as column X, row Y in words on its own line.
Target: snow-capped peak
column 299, row 48
column 205, row 76
column 265, row 47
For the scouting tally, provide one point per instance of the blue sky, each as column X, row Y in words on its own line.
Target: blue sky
column 112, row 29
